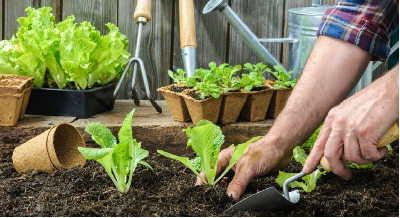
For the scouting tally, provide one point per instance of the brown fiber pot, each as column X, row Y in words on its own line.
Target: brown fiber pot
column 278, row 102
column 14, row 96
column 232, row 104
column 175, row 103
column 256, row 105
column 207, row 109
column 55, row 148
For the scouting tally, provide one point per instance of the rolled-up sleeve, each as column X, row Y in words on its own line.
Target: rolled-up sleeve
column 364, row 23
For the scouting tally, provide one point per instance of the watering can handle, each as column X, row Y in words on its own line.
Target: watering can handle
column 390, row 136
column 316, row 3
column 143, row 9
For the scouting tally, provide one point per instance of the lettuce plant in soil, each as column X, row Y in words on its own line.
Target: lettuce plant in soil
column 181, row 81
column 63, row 55
column 283, row 79
column 257, row 103
column 206, row 140
column 119, row 159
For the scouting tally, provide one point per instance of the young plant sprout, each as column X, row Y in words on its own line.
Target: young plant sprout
column 118, row 159
column 255, row 77
column 227, row 76
column 206, row 140
column 283, row 78
column 208, row 85
column 179, row 78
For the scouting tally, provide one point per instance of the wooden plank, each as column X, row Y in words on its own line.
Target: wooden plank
column 1, row 19
column 154, row 130
column 264, row 19
column 12, row 11
column 155, row 48
column 211, row 35
column 98, row 13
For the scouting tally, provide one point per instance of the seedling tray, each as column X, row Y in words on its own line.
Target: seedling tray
column 74, row 103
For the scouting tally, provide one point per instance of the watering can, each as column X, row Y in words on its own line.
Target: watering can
column 303, row 26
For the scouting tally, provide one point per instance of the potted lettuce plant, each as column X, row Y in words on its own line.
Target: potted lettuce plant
column 172, row 96
column 204, row 100
column 73, row 66
column 256, row 105
column 233, row 98
column 283, row 87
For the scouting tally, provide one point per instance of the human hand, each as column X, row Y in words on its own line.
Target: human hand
column 352, row 130
column 259, row 158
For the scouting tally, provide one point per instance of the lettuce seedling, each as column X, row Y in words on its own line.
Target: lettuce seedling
column 206, row 140
column 227, row 76
column 180, row 77
column 208, row 85
column 255, row 77
column 310, row 180
column 118, row 159
column 283, row 78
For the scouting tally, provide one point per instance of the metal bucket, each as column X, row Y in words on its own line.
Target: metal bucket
column 303, row 25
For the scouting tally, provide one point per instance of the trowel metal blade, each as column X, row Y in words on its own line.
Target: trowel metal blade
column 268, row 199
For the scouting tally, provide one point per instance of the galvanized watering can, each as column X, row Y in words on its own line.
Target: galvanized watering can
column 303, row 25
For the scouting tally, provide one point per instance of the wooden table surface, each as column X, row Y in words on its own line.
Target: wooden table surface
column 154, row 130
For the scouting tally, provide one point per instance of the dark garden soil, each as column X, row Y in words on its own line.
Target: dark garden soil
column 170, row 191
column 176, row 88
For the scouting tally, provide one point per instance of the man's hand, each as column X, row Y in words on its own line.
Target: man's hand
column 354, row 128
column 259, row 159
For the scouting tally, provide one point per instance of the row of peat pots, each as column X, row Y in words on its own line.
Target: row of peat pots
column 249, row 105
column 15, row 91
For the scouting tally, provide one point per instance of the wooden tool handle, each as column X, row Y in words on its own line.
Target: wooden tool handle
column 187, row 24
column 390, row 136
column 143, row 9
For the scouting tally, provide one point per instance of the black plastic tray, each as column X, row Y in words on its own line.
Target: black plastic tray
column 74, row 103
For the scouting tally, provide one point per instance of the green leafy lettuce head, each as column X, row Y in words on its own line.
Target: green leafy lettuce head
column 70, row 53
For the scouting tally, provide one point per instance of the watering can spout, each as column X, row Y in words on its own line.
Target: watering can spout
column 243, row 30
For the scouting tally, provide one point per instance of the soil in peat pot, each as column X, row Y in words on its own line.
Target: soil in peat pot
column 170, row 191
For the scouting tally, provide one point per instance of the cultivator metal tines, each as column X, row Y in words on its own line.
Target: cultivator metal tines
column 142, row 16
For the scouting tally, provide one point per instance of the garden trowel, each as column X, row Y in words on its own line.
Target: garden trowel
column 272, row 199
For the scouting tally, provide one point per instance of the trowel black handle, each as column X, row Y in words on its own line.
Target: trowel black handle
column 390, row 136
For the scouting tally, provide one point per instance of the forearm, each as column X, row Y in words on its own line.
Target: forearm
column 332, row 70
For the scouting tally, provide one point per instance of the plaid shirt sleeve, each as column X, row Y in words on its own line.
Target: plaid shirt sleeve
column 365, row 23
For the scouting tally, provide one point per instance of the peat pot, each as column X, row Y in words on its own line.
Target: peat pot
column 175, row 103
column 207, row 109
column 14, row 96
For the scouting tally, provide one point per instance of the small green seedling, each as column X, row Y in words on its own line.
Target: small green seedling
column 309, row 181
column 180, row 78
column 255, row 77
column 208, row 85
column 206, row 140
column 283, row 78
column 118, row 159
column 226, row 76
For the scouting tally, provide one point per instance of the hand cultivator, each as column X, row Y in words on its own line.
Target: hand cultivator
column 142, row 16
